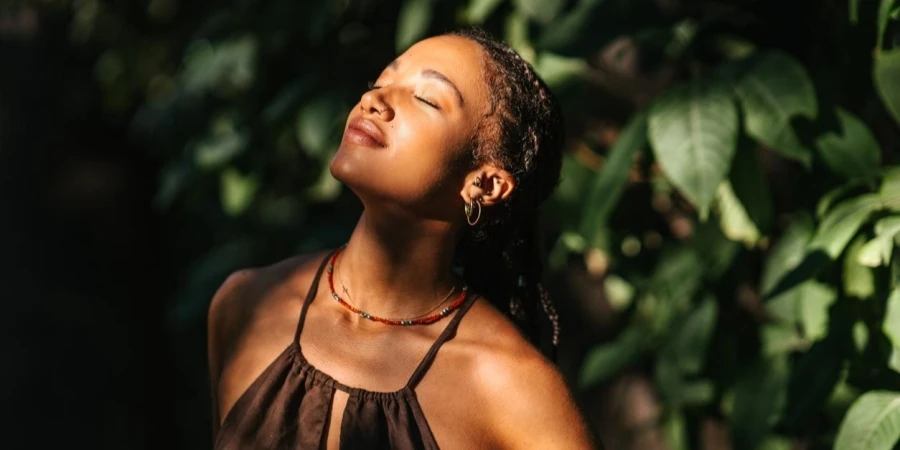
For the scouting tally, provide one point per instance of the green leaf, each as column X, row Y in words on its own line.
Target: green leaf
column 832, row 236
column 859, row 280
column 716, row 251
column 325, row 189
column 877, row 252
column 318, row 122
column 776, row 443
column 541, row 11
column 813, row 301
column 676, row 390
column 412, row 23
column 838, row 194
column 557, row 71
column 605, row 360
column 872, row 423
column 734, row 218
column 237, row 191
column 606, row 189
column 693, row 130
column 841, row 225
column 779, row 339
column 813, row 379
column 675, row 429
column 891, row 326
column 567, row 201
column 853, row 151
column 479, row 10
column 774, row 91
column 787, row 253
column 690, row 342
column 854, row 11
column 758, row 400
column 884, row 15
column 619, row 292
column 886, row 74
column 889, row 193
column 748, row 179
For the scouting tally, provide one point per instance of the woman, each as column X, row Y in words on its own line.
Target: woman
column 451, row 151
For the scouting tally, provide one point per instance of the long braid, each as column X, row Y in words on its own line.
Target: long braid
column 502, row 254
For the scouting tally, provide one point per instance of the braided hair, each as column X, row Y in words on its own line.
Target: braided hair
column 522, row 134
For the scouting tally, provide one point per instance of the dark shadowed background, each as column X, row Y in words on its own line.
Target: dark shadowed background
column 721, row 247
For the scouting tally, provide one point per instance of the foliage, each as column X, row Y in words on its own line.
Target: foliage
column 735, row 192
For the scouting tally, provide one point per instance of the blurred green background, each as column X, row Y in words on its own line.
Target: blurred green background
column 722, row 245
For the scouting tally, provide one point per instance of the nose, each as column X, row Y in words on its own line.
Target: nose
column 373, row 103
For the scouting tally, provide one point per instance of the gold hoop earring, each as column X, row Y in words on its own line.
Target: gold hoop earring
column 469, row 208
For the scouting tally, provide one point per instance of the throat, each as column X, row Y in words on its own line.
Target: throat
column 389, row 308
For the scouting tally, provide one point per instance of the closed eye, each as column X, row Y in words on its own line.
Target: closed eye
column 373, row 86
column 427, row 102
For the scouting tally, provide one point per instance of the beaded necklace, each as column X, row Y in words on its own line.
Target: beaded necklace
column 401, row 322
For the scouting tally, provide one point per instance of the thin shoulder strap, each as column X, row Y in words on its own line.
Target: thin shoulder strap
column 311, row 295
column 445, row 336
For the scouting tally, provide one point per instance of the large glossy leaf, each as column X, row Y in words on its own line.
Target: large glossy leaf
column 693, row 130
column 886, row 74
column 759, row 396
column 607, row 187
column 851, row 151
column 872, row 423
column 891, row 325
column 413, row 22
column 774, row 91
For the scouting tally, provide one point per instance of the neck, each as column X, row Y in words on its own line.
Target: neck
column 397, row 267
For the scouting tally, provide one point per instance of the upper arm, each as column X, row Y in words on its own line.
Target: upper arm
column 534, row 407
column 222, row 329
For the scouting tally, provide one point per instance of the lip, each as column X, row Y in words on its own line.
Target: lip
column 364, row 132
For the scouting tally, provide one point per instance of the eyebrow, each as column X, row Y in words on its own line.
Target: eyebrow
column 434, row 74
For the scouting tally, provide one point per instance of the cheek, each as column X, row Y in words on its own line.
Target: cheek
column 420, row 167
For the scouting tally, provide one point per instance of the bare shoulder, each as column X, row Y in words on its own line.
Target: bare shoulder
column 522, row 390
column 243, row 293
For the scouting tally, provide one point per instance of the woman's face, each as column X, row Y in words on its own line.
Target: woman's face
column 406, row 140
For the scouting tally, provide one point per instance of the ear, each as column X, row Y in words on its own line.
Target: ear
column 488, row 185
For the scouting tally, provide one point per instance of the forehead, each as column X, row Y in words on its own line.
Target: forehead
column 459, row 59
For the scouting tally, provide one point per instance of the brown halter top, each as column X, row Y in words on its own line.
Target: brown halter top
column 288, row 405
